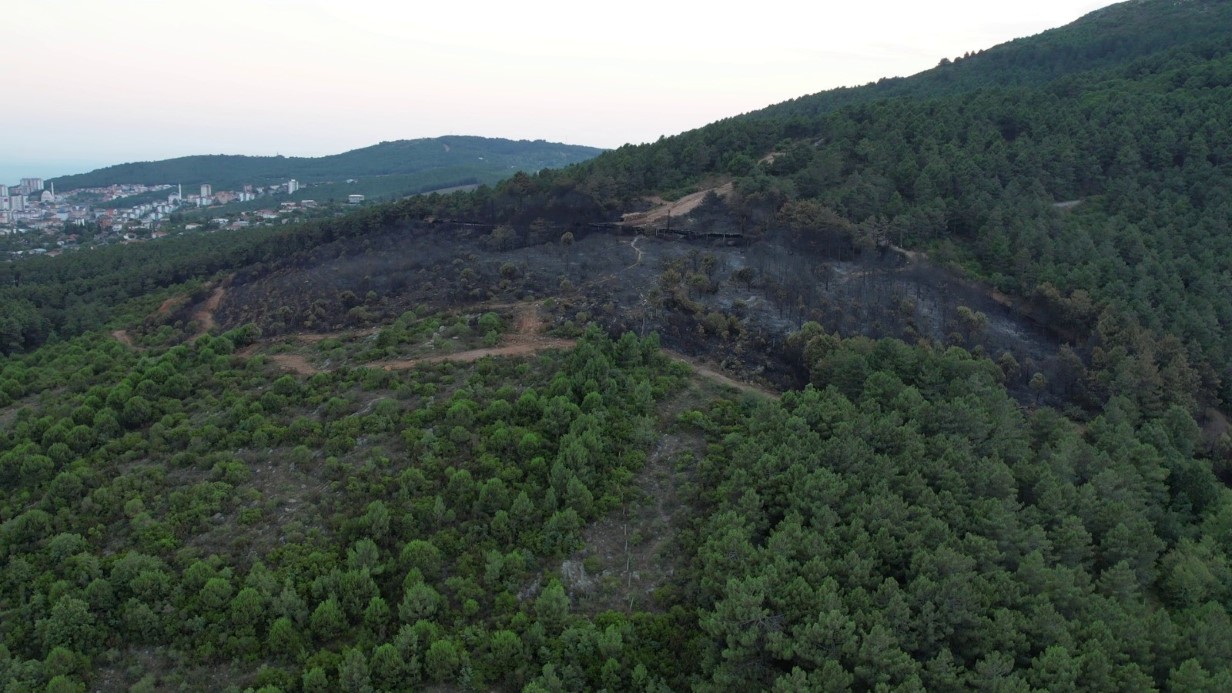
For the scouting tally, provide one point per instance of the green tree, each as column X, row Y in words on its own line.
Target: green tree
column 328, row 621
column 70, row 625
column 353, row 674
column 442, row 661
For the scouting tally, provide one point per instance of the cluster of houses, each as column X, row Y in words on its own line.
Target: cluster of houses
column 47, row 223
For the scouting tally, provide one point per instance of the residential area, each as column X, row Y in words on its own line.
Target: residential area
column 36, row 219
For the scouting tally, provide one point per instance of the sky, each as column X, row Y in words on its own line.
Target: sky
column 95, row 83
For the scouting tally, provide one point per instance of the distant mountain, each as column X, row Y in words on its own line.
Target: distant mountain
column 457, row 160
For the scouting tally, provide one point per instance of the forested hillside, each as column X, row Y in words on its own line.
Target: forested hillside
column 908, row 525
column 1098, row 192
column 506, row 440
column 452, row 158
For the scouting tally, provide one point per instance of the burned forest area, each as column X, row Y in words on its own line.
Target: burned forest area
column 732, row 301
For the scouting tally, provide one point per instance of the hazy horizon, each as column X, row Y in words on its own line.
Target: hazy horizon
column 135, row 80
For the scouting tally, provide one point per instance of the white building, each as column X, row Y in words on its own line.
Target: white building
column 206, row 190
column 32, row 184
column 355, row 199
column 292, row 186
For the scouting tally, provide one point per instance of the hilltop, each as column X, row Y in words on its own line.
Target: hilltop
column 1080, row 173
column 450, row 159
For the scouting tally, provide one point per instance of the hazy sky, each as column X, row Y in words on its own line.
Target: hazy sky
column 91, row 82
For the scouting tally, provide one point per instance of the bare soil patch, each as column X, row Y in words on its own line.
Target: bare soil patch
column 205, row 315
column 315, row 337
column 710, row 374
column 296, row 363
column 679, row 208
column 529, row 322
column 123, row 337
column 171, row 304
column 517, row 348
column 526, row 339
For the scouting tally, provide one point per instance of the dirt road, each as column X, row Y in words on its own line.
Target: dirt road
column 525, row 339
column 678, row 208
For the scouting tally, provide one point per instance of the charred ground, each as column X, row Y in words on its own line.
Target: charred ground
column 728, row 298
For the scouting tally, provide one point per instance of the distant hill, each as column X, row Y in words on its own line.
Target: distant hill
column 436, row 162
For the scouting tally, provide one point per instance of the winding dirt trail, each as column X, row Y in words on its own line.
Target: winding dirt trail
column 639, row 251
column 637, row 261
column 525, row 339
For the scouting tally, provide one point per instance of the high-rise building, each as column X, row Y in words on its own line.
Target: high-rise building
column 206, row 190
column 32, row 184
column 17, row 202
column 292, row 186
column 4, row 191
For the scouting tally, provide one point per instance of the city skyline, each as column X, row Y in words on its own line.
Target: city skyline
column 136, row 81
